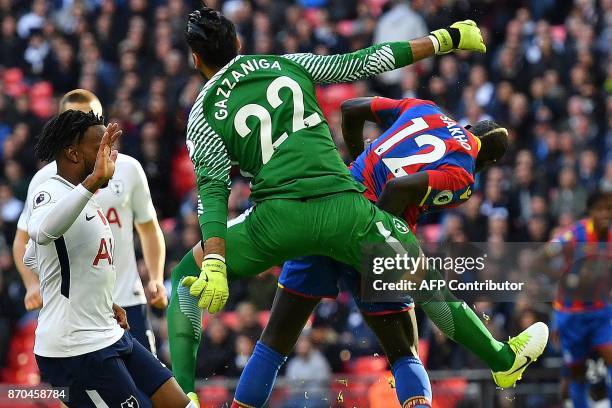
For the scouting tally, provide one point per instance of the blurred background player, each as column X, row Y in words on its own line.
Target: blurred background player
column 79, row 344
column 405, row 176
column 583, row 314
column 126, row 203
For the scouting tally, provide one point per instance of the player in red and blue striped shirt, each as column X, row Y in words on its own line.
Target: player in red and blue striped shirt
column 435, row 152
column 583, row 313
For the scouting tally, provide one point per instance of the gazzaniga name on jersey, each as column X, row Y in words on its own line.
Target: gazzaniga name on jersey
column 226, row 86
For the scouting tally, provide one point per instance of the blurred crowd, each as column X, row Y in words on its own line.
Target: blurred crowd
column 547, row 76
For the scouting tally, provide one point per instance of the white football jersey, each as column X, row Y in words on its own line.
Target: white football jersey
column 77, row 277
column 126, row 200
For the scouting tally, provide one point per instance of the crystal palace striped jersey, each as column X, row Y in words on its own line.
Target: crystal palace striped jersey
column 583, row 253
column 418, row 137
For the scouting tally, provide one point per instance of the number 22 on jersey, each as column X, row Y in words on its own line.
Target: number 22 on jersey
column 265, row 118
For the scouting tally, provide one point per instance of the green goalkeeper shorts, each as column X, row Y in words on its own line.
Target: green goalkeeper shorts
column 341, row 226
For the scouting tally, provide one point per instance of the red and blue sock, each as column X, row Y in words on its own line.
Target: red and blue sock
column 412, row 383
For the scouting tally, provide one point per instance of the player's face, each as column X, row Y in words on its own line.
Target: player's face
column 602, row 212
column 88, row 147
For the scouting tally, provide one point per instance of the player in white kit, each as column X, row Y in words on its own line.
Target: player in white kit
column 126, row 202
column 80, row 339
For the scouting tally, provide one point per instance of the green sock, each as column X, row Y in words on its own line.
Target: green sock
column 184, row 325
column 459, row 322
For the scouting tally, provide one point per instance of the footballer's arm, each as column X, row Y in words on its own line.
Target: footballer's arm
column 355, row 112
column 374, row 60
column 154, row 255
column 32, row 299
column 402, row 192
column 544, row 256
column 151, row 237
column 212, row 167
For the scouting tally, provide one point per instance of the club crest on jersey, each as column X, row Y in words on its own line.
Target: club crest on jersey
column 466, row 194
column 41, row 198
column 131, row 402
column 116, row 186
column 443, row 197
column 400, row 226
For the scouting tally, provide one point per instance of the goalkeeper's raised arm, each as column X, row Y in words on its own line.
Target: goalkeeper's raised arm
column 374, row 60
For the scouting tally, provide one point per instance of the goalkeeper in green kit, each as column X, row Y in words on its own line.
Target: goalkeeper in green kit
column 261, row 113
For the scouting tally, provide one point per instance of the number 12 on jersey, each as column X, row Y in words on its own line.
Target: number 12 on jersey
column 397, row 164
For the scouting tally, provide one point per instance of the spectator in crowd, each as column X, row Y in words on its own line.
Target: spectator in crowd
column 308, row 372
column 217, row 352
column 248, row 325
column 399, row 23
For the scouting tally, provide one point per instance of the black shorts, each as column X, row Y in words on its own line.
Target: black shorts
column 122, row 375
column 140, row 327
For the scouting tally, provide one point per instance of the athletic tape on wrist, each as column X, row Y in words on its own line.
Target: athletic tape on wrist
column 435, row 42
column 215, row 256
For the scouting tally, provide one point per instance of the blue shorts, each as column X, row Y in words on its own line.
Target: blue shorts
column 322, row 277
column 140, row 327
column 124, row 374
column 582, row 332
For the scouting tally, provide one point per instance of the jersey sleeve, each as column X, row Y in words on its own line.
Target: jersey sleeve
column 51, row 215
column 212, row 167
column 142, row 204
column 357, row 65
column 22, row 222
column 385, row 110
column 448, row 187
column 40, row 177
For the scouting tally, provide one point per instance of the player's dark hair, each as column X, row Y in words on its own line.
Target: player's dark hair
column 62, row 130
column 596, row 196
column 493, row 138
column 211, row 36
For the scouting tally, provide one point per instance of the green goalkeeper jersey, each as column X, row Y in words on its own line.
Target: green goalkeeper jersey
column 261, row 113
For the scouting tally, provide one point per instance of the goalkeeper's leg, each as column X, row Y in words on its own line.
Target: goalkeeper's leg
column 457, row 320
column 184, row 324
column 459, row 323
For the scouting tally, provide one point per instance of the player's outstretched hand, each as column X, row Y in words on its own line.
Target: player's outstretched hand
column 157, row 294
column 121, row 316
column 210, row 286
column 462, row 35
column 104, row 167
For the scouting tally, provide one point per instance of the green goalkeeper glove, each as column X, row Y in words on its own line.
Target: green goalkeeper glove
column 211, row 286
column 462, row 35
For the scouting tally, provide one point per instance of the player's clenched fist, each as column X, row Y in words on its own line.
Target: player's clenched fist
column 211, row 286
column 462, row 35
